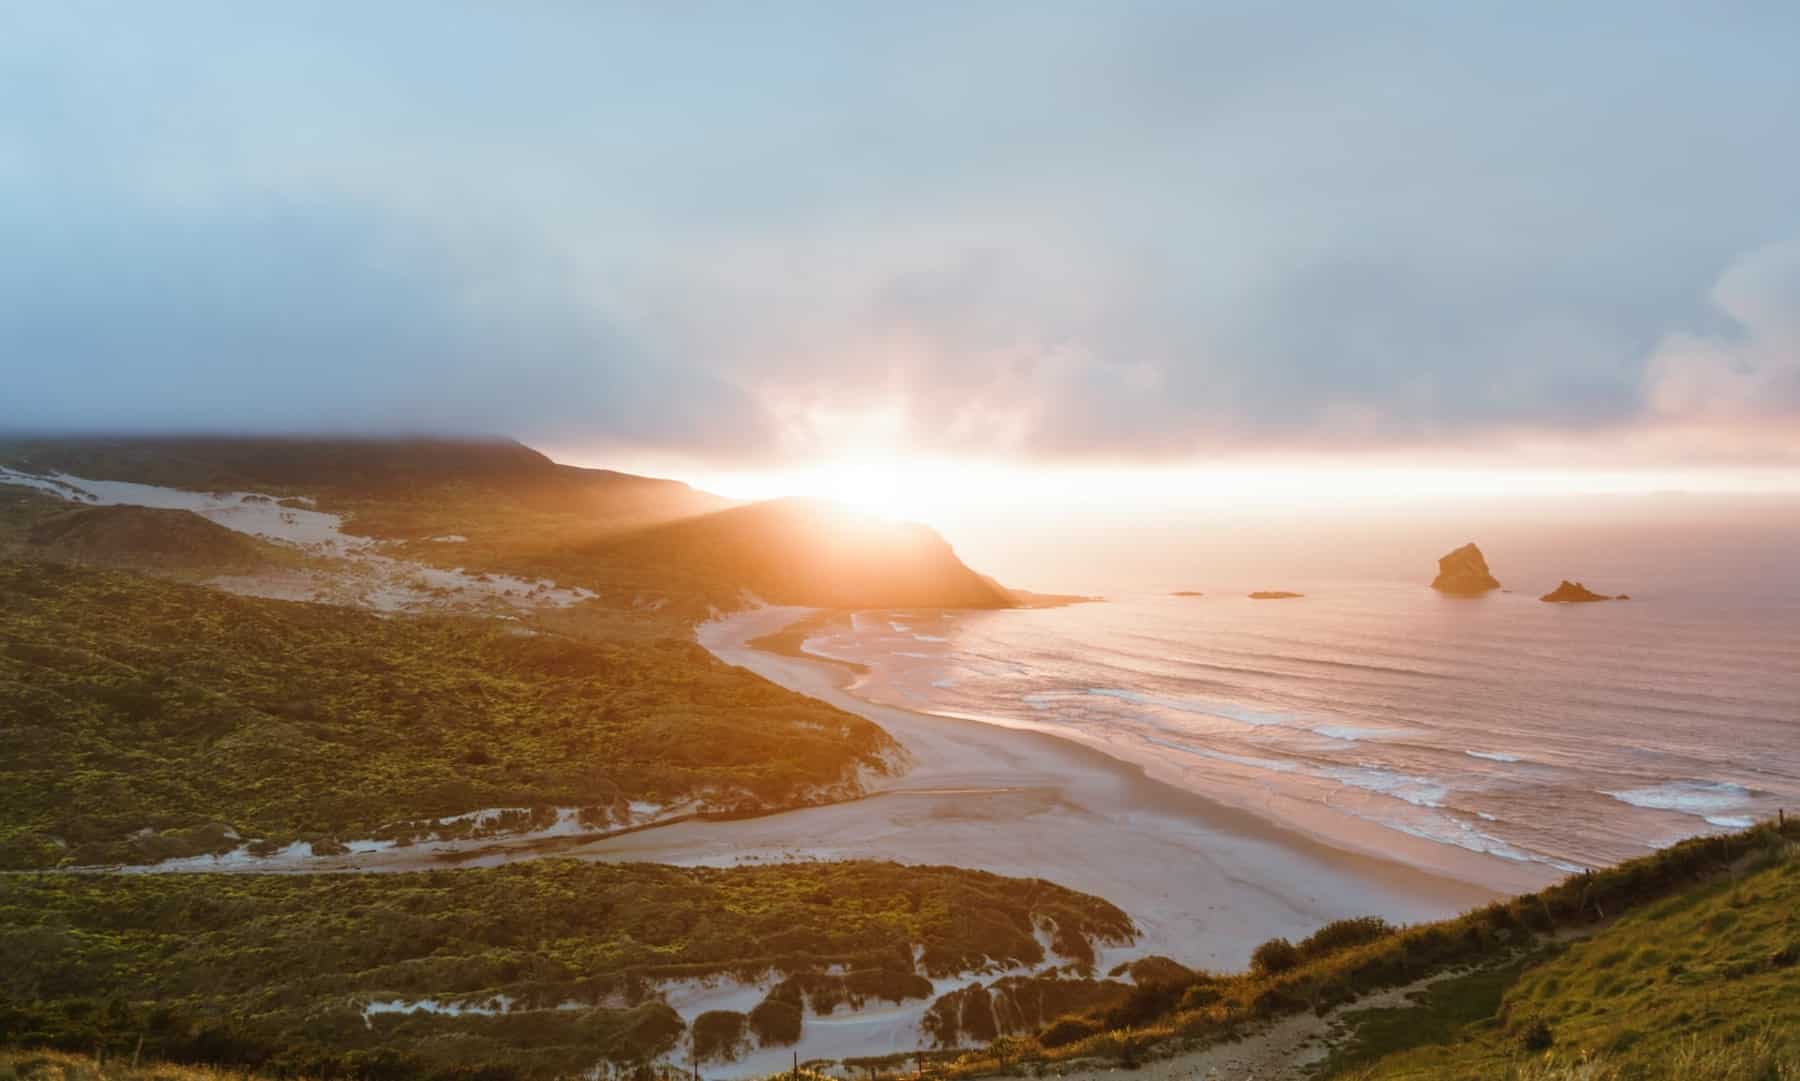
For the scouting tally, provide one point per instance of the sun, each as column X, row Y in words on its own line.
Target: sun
column 887, row 487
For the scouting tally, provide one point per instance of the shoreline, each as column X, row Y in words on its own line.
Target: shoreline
column 1204, row 880
column 783, row 651
column 1228, row 799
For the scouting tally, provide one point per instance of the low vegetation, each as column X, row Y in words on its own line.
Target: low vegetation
column 810, row 552
column 321, row 973
column 657, row 548
column 174, row 542
column 39, row 1064
column 143, row 719
column 1701, row 984
column 1709, row 946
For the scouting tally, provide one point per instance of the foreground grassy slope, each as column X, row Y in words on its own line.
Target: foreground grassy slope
column 279, row 971
column 142, row 719
column 40, row 1064
column 1702, row 984
column 1175, row 1009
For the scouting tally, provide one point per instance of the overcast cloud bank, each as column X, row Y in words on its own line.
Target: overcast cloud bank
column 1135, row 230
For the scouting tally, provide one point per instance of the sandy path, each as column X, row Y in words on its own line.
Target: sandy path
column 1285, row 1050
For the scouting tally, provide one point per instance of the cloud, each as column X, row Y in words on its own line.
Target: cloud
column 315, row 318
column 1134, row 230
column 1750, row 371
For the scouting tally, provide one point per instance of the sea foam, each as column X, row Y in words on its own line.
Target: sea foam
column 1687, row 797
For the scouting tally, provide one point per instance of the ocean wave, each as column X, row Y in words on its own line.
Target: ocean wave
column 1418, row 791
column 1241, row 714
column 928, row 638
column 1350, row 733
column 1270, row 764
column 1388, row 712
column 1447, row 829
column 1468, row 837
column 1686, row 797
column 1352, row 666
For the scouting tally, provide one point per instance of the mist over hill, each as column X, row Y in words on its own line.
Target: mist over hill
column 506, row 508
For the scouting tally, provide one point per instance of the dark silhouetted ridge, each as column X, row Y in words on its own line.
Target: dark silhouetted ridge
column 811, row 552
column 211, row 463
column 344, row 471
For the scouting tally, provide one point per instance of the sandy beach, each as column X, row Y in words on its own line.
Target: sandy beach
column 1205, row 883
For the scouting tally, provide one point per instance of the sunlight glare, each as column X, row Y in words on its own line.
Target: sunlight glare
column 941, row 491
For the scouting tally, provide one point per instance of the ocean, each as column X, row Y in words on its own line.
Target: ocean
column 1552, row 737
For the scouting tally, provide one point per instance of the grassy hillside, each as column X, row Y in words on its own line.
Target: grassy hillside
column 1707, row 956
column 280, row 971
column 39, row 1064
column 643, row 544
column 142, row 718
column 167, row 541
column 802, row 551
column 351, row 474
column 22, row 508
column 1702, row 984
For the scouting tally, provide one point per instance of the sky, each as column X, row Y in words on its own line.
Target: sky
column 834, row 245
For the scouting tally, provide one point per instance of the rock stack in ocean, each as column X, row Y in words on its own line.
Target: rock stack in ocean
column 1574, row 593
column 1465, row 573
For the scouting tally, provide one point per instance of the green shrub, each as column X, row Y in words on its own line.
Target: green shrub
column 776, row 1023
column 1201, row 993
column 1276, row 1001
column 1535, row 1036
column 719, row 1035
column 1274, row 956
column 1343, row 934
column 1143, row 1004
column 1067, row 1030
